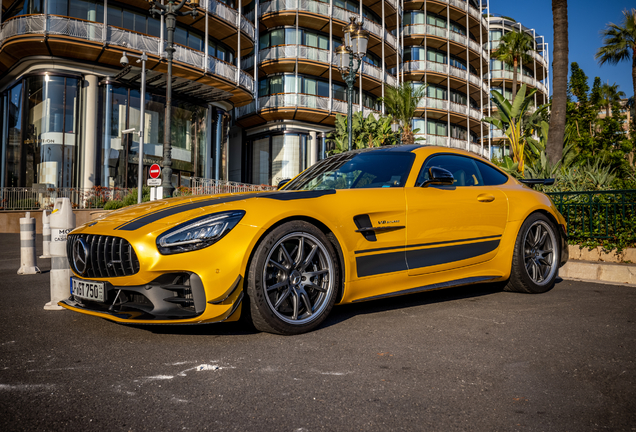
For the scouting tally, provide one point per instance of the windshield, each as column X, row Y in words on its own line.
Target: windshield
column 355, row 171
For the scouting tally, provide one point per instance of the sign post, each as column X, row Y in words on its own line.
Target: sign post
column 155, row 173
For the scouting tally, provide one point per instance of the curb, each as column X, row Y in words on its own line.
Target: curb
column 619, row 274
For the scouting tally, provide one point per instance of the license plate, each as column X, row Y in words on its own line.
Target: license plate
column 88, row 290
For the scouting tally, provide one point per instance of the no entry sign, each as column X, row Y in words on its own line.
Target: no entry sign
column 154, row 171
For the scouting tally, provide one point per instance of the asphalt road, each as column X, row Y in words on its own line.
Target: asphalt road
column 471, row 359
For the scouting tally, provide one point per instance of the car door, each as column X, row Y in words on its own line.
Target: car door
column 450, row 227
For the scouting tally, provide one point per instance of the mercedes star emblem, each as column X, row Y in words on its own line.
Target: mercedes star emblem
column 80, row 255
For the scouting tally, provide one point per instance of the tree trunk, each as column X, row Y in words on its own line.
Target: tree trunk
column 514, row 79
column 634, row 69
column 554, row 148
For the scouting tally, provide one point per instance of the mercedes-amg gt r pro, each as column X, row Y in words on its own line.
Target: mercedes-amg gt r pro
column 357, row 226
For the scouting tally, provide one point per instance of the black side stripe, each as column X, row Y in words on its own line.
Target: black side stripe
column 161, row 214
column 427, row 244
column 373, row 265
column 454, row 283
column 430, row 257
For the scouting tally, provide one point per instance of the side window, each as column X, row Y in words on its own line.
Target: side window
column 464, row 170
column 491, row 176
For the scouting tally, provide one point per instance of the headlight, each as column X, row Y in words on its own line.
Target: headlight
column 198, row 233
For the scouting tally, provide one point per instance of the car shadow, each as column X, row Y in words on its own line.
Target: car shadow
column 340, row 313
column 347, row 311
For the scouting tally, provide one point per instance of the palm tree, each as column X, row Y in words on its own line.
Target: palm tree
column 512, row 49
column 610, row 95
column 619, row 43
column 509, row 117
column 559, row 81
column 401, row 103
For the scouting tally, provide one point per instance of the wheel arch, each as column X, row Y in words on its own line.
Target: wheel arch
column 322, row 227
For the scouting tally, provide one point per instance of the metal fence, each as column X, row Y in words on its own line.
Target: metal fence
column 205, row 186
column 598, row 215
column 42, row 198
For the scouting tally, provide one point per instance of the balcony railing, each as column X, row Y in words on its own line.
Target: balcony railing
column 293, row 52
column 293, row 100
column 230, row 15
column 37, row 24
column 507, row 75
column 320, row 8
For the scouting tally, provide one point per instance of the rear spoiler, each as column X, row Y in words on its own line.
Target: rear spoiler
column 533, row 182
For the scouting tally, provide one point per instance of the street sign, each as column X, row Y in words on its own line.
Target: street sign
column 154, row 171
column 154, row 182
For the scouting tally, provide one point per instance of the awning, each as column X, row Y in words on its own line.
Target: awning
column 182, row 88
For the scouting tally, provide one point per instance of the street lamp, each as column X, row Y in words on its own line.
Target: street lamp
column 142, row 114
column 396, row 127
column 354, row 47
column 171, row 12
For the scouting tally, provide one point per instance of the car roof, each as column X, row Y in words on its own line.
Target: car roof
column 406, row 148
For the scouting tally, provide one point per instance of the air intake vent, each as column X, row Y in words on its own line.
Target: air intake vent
column 105, row 256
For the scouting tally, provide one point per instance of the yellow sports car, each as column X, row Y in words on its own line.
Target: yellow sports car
column 361, row 225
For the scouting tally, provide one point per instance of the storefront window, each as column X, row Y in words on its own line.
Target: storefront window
column 121, row 152
column 49, row 141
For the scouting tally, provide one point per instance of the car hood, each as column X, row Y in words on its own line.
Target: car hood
column 169, row 212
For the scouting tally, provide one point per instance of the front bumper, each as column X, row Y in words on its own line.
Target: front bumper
column 169, row 299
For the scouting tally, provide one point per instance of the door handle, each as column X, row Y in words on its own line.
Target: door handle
column 485, row 198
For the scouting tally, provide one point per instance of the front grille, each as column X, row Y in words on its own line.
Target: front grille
column 108, row 256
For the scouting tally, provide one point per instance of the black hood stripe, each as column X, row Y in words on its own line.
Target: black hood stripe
column 161, row 214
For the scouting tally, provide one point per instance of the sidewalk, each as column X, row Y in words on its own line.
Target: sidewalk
column 598, row 271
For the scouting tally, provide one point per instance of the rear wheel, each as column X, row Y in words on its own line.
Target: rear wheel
column 535, row 262
column 292, row 279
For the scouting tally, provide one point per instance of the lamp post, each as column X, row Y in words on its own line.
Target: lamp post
column 396, row 127
column 354, row 47
column 171, row 12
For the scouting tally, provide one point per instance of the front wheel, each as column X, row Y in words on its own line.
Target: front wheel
column 292, row 279
column 536, row 256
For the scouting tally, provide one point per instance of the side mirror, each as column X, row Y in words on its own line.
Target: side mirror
column 282, row 183
column 439, row 176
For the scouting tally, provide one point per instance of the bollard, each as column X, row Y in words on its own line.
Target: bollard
column 27, row 246
column 46, row 234
column 62, row 222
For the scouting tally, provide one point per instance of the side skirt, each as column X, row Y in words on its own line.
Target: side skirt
column 454, row 283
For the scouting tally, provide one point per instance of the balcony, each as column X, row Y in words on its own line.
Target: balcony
column 320, row 8
column 229, row 15
column 507, row 75
column 114, row 36
column 424, row 66
column 293, row 101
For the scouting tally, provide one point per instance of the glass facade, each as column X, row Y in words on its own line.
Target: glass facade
column 40, row 137
column 41, row 140
column 120, row 152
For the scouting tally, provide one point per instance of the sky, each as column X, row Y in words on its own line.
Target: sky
column 586, row 19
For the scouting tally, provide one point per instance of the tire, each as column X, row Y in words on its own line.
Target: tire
column 535, row 262
column 292, row 279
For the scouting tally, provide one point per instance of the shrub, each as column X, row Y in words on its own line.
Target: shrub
column 114, row 205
